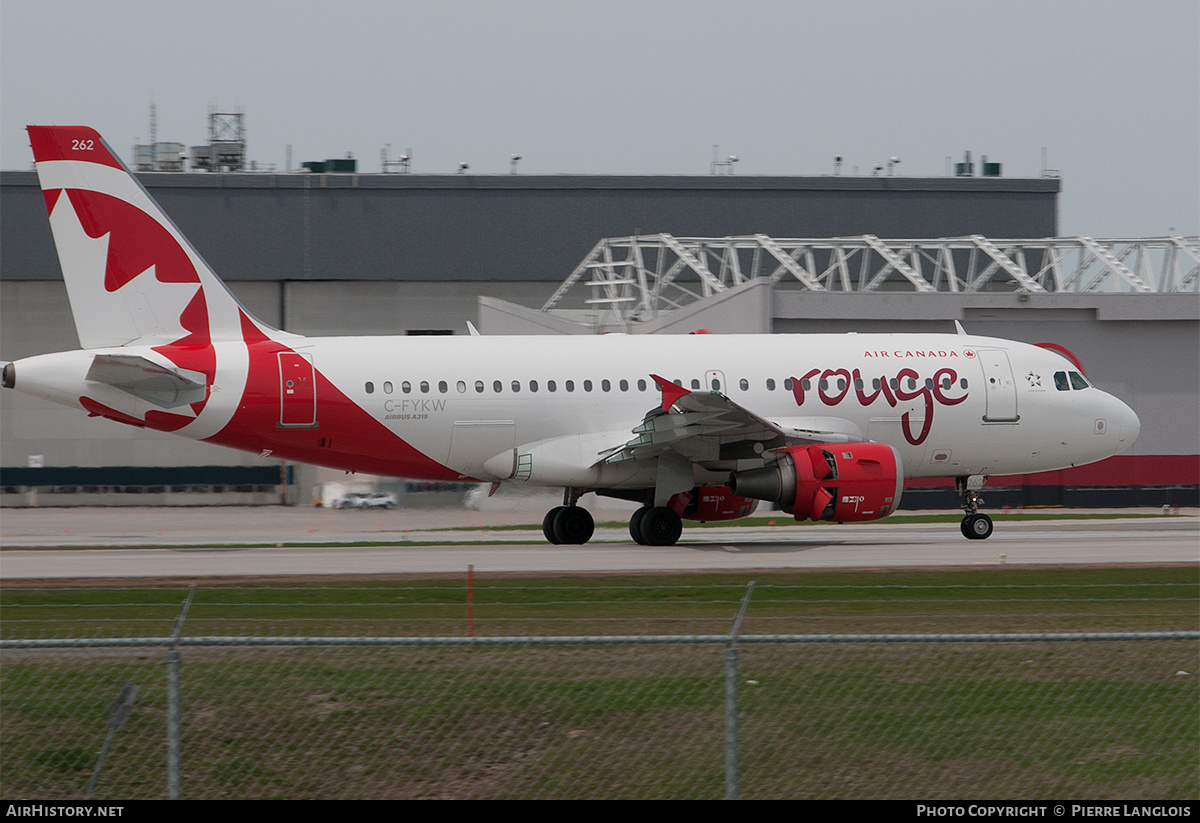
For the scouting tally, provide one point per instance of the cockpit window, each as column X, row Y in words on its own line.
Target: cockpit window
column 1078, row 381
column 1060, row 381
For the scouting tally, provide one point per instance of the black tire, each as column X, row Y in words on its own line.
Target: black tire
column 573, row 525
column 977, row 527
column 548, row 525
column 660, row 526
column 635, row 525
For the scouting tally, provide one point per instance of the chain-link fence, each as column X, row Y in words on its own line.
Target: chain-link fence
column 989, row 715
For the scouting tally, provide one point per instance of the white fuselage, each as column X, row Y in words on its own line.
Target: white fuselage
column 952, row 405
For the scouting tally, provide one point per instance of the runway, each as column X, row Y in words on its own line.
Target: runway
column 194, row 543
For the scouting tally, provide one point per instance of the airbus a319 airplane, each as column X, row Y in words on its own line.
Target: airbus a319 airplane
column 700, row 427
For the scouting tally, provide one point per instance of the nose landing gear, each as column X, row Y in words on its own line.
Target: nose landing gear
column 976, row 525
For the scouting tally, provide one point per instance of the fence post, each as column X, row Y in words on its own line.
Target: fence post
column 174, row 756
column 731, row 700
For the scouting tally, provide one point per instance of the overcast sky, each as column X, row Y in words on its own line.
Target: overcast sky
column 1110, row 88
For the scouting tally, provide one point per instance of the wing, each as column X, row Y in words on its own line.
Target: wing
column 712, row 430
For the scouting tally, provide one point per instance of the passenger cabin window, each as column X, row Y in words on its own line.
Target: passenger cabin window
column 516, row 384
column 624, row 384
column 587, row 385
column 424, row 387
column 551, row 386
column 533, row 385
column 695, row 384
column 370, row 387
column 642, row 384
column 479, row 386
column 744, row 384
column 406, row 387
column 605, row 385
column 442, row 387
column 770, row 384
column 497, row 386
column 461, row 385
column 570, row 384
column 387, row 387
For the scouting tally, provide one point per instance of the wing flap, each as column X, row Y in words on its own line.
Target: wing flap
column 709, row 427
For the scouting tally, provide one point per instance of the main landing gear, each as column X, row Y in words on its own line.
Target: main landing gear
column 570, row 523
column 976, row 525
column 655, row 526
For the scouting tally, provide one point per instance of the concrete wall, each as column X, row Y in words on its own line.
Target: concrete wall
column 461, row 228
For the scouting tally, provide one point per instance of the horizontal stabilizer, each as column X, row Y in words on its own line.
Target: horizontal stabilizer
column 151, row 382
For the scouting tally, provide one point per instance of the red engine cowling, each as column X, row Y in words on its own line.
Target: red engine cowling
column 711, row 503
column 841, row 482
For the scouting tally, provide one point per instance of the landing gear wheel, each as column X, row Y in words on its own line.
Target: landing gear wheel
column 660, row 526
column 977, row 527
column 572, row 525
column 548, row 524
column 635, row 525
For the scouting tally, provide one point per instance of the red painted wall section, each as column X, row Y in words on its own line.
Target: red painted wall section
column 1121, row 470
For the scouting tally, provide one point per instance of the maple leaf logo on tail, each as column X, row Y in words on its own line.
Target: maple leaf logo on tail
column 131, row 276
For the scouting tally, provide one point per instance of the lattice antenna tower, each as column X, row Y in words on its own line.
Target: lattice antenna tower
column 226, row 140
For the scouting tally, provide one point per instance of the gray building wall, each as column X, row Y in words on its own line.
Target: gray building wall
column 464, row 228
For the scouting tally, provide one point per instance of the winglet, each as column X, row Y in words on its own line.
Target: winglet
column 670, row 391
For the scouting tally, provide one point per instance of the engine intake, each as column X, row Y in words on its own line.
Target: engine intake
column 841, row 482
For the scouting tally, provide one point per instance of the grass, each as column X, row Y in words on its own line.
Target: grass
column 1011, row 720
column 992, row 599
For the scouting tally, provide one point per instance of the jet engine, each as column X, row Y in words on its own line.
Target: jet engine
column 840, row 482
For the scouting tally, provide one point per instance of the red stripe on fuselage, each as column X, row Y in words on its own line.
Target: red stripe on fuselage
column 345, row 437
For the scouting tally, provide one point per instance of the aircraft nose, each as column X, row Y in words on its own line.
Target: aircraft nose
column 1131, row 426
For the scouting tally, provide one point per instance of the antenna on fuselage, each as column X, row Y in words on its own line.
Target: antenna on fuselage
column 961, row 330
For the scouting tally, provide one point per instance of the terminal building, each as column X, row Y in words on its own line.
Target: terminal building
column 367, row 254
